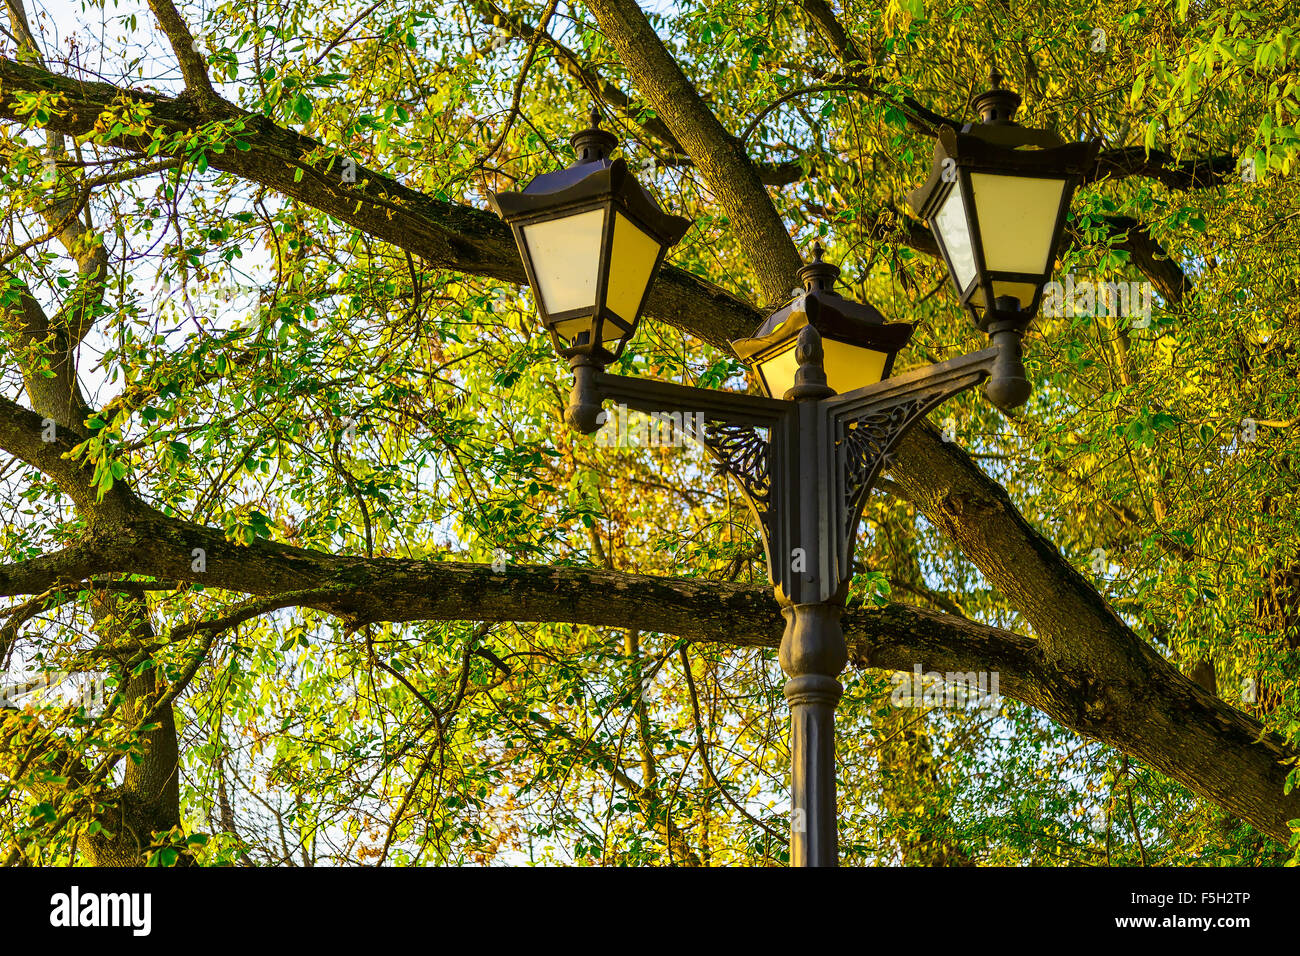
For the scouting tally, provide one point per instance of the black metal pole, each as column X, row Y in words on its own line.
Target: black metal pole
column 813, row 653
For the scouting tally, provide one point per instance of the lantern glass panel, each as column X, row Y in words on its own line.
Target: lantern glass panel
column 565, row 256
column 631, row 263
column 1017, row 219
column 570, row 329
column 778, row 372
column 954, row 229
column 847, row 367
column 850, row 366
column 1022, row 292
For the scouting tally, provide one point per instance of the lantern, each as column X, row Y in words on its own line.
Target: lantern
column 858, row 345
column 592, row 240
column 996, row 202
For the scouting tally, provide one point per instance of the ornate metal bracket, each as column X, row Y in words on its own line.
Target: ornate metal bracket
column 738, row 429
column 867, row 425
column 744, row 453
column 805, row 467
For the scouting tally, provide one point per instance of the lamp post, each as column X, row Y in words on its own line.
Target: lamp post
column 806, row 453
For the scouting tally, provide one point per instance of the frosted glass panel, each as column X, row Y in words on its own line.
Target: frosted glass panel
column 847, row 367
column 565, row 254
column 955, row 232
column 1017, row 215
column 569, row 329
column 778, row 372
column 1024, row 291
column 630, row 265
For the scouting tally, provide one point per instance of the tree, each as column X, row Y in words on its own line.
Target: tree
column 288, row 472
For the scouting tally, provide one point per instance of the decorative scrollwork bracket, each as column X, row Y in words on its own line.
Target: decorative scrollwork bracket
column 804, row 467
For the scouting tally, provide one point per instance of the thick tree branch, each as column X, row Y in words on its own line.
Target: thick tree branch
column 1150, row 258
column 445, row 235
column 718, row 154
column 1125, row 161
column 47, row 446
column 193, row 67
column 1137, row 702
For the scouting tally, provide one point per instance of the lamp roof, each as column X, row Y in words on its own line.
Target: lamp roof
column 998, row 143
column 832, row 315
column 593, row 177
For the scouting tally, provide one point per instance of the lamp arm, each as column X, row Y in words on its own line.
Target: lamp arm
column 744, row 434
column 715, row 405
column 792, row 460
column 943, row 378
column 865, row 426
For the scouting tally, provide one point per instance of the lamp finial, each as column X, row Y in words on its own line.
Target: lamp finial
column 593, row 143
column 810, row 376
column 818, row 275
column 996, row 105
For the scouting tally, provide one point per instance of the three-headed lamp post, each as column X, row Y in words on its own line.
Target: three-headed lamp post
column 806, row 452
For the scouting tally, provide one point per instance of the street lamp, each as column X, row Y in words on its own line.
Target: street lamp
column 996, row 200
column 858, row 345
column 591, row 239
column 804, row 455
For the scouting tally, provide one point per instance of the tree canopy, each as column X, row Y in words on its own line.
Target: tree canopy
column 302, row 565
